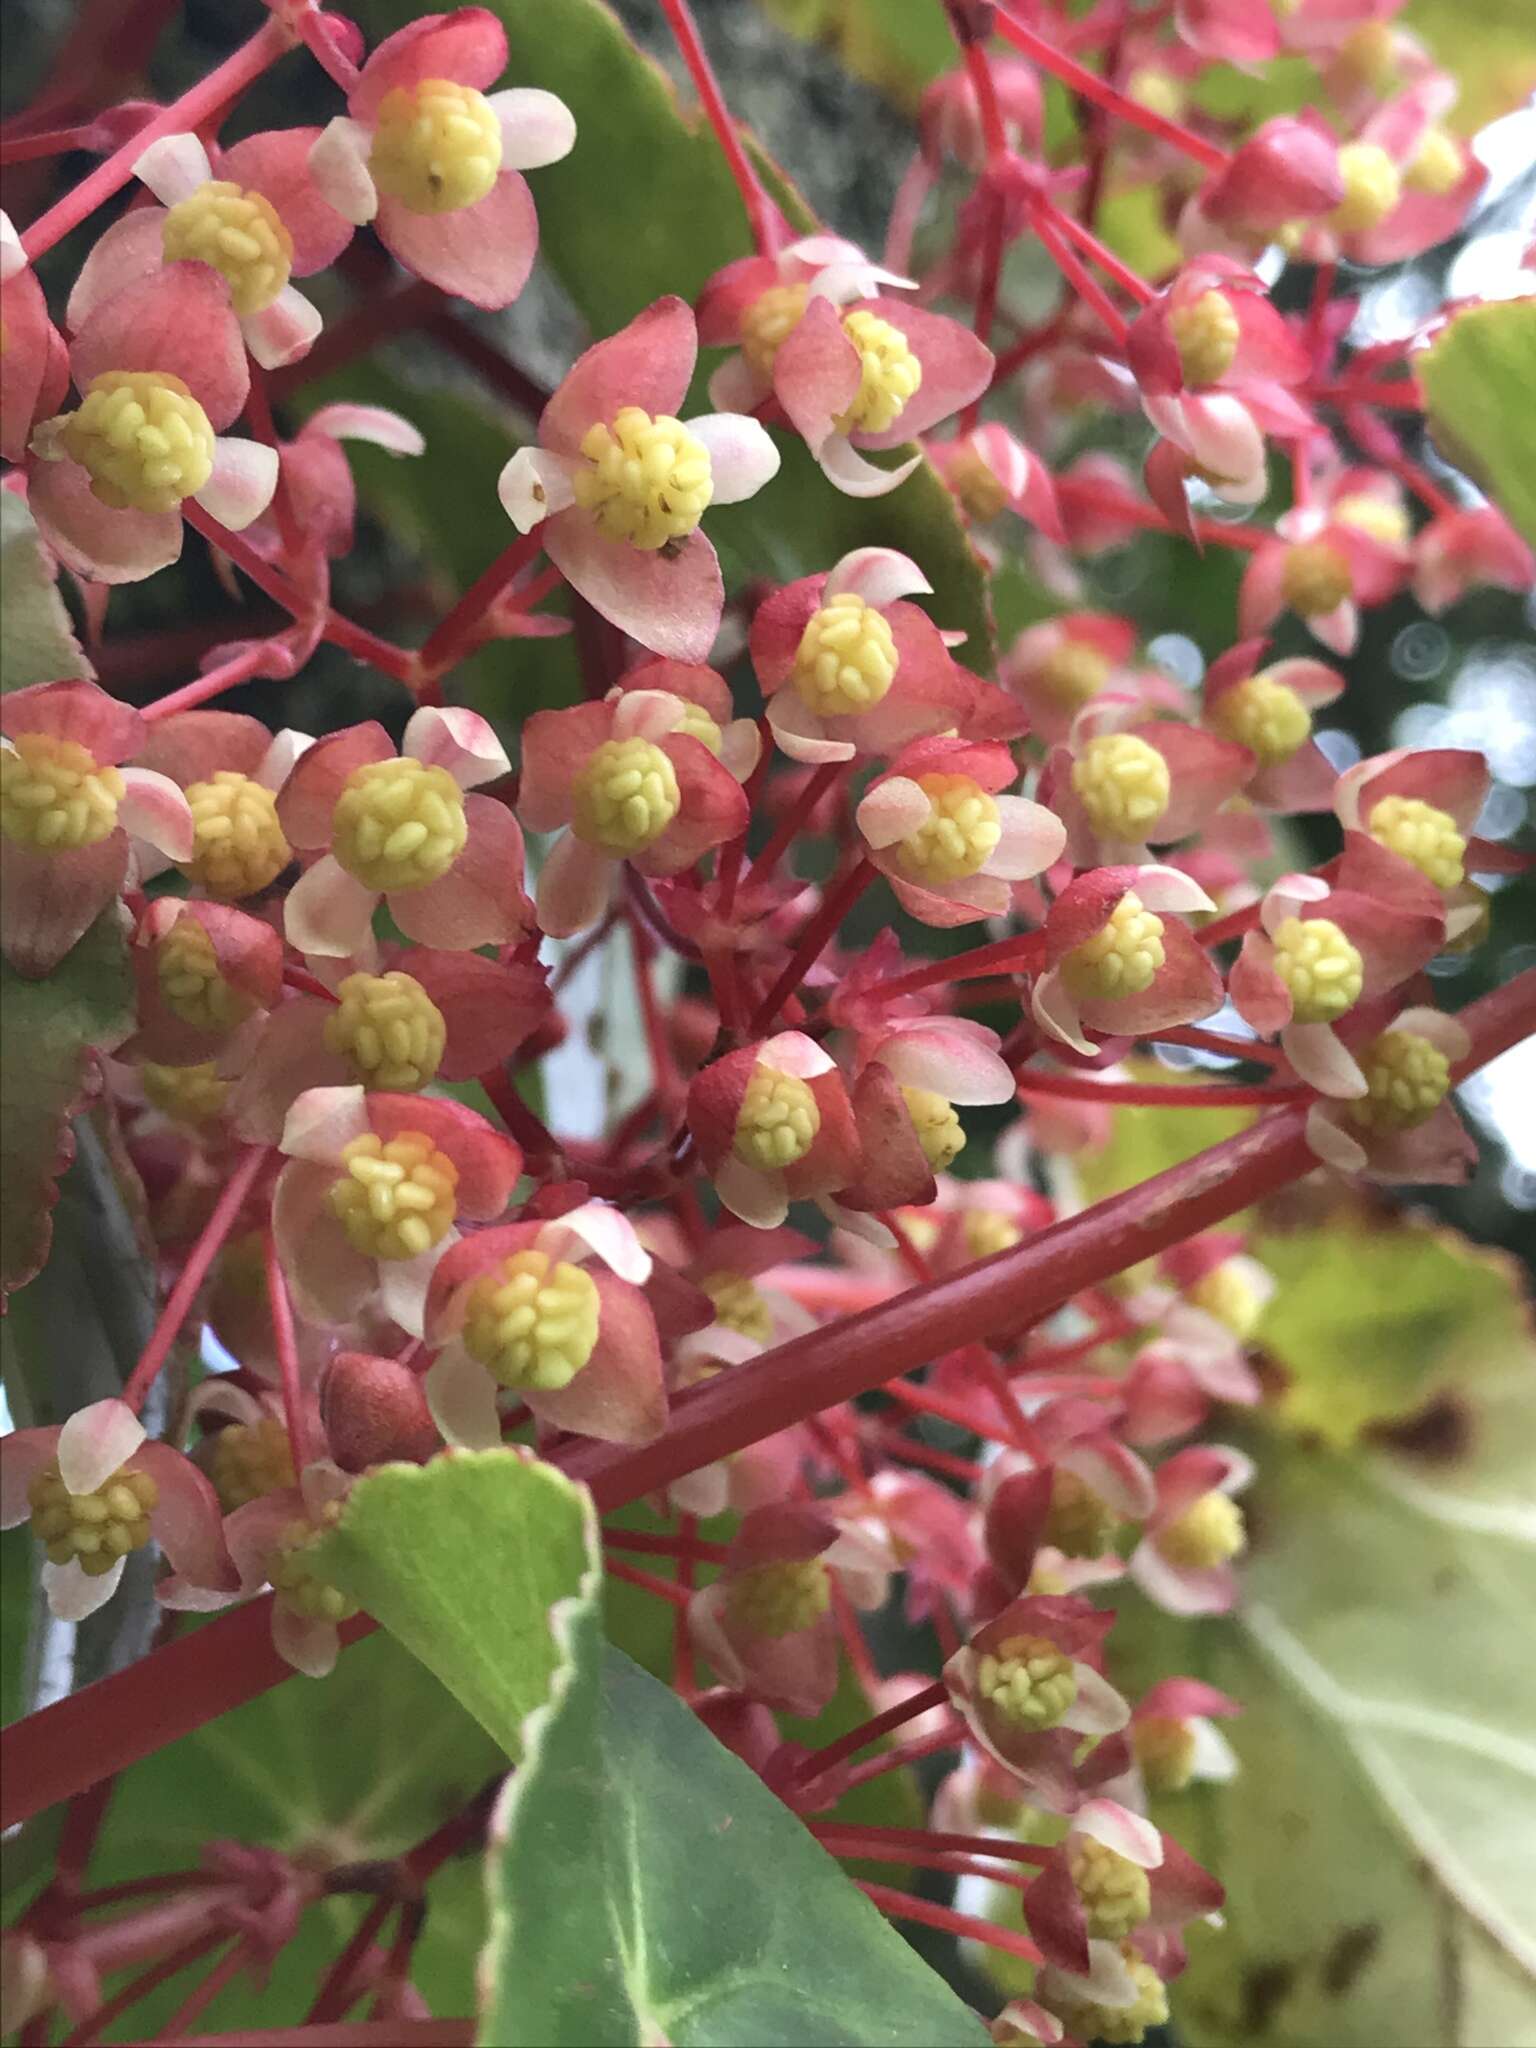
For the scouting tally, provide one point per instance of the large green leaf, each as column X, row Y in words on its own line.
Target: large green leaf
column 645, row 1885
column 49, row 1027
column 1477, row 380
column 37, row 644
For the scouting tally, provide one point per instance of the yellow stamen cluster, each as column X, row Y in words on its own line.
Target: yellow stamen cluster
column 187, row 1095
column 398, row 824
column 532, row 1322
column 1315, row 578
column 143, row 440
column 1119, row 2025
column 92, row 1529
column 624, row 796
column 1228, row 1294
column 1366, row 54
column 777, row 1122
column 1115, row 1892
column 1406, row 1079
column 1165, row 1749
column 1265, row 716
column 779, row 1599
column 1321, row 968
column 1209, row 1532
column 436, row 146
column 239, row 234
column 986, row 1231
column 1206, row 333
column 1420, row 833
column 250, row 1460
column 939, row 1131
column 889, row 374
column 388, row 1030
column 1382, row 518
column 647, row 481
column 191, row 986
column 55, row 795
column 976, row 484
column 1028, row 1682
column 769, row 321
column 1073, row 673
column 394, row 1200
column 1372, row 188
column 1080, row 1523
column 846, row 660
column 1123, row 783
column 958, row 835
column 238, row 845
column 739, row 1305
column 1438, row 167
column 1121, row 959
column 293, row 1577
column 697, row 724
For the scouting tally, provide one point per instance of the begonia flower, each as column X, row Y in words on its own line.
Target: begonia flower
column 36, row 360
column 1123, row 781
column 1113, row 1874
column 991, row 471
column 203, row 971
column 1287, row 170
column 1173, row 1383
column 774, row 1124
column 317, row 477
column 1174, row 1738
column 1408, row 181
column 1422, row 805
column 939, row 1063
column 1115, row 965
column 231, row 768
column 1403, row 1129
column 1058, row 667
column 1269, row 711
column 1184, row 1560
column 1323, row 569
column 1475, row 549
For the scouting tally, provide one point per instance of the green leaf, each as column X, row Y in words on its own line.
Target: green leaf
column 1477, row 380
column 463, row 1560
column 49, row 1026
column 645, row 1885
column 37, row 644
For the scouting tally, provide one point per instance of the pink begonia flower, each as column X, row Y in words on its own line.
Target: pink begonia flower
column 401, row 827
column 1422, row 804
column 1123, row 781
column 433, row 160
column 991, row 471
column 1059, row 666
column 1175, row 1740
column 203, row 972
column 1287, row 170
column 1269, row 711
column 752, row 304
column 971, row 1219
column 255, row 220
column 1471, row 550
column 1404, row 1129
column 949, row 119
column 231, row 767
column 946, row 838
column 1322, row 569
column 36, row 360
column 1084, row 1892
column 366, row 1206
column 1116, row 965
column 318, row 477
column 1029, row 1694
column 161, row 368
column 1409, row 182
column 748, row 1317
column 774, row 1124
column 767, row 1625
column 423, row 1016
column 849, row 667
column 637, row 777
column 554, row 1311
column 1322, row 26
column 617, row 484
column 1320, row 950
column 925, row 1526
column 1182, row 1562
column 1208, row 1297
column 1118, row 1980
column 72, row 814
column 149, row 1491
column 1172, row 1386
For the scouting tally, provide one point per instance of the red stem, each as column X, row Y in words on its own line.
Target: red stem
column 903, row 1906
column 286, row 1343
column 648, row 1582
column 1001, row 1848
column 1078, row 277
column 793, row 819
column 1157, row 1095
column 1014, row 955
column 763, row 217
column 456, row 634
column 839, row 901
column 1094, row 497
column 1128, row 280
column 868, row 1732
column 238, row 669
column 1102, row 94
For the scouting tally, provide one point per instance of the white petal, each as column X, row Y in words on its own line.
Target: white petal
column 843, row 466
column 1338, row 629
column 742, row 455
column 792, row 1052
column 858, row 1223
column 372, row 423
column 603, row 1230
column 1056, row 1012
column 1214, row 1759
column 403, row 1284
column 574, row 886
column 647, row 714
column 741, row 746
column 72, row 1595
column 893, row 810
column 153, row 807
column 284, row 331
column 338, row 163
column 735, row 386
column 95, row 1442
column 329, row 912
column 1098, row 1709
column 757, row 1198
column 1033, row 839
column 1160, row 888
column 174, row 168
column 536, row 127
column 878, row 575
column 462, row 1397
column 322, row 1121
column 1442, row 1031
column 1286, row 897
column 1322, row 1060
column 277, row 762
column 1127, row 1833
column 457, row 739
column 307, row 1643
column 703, row 1493
column 1333, row 1145
column 243, row 480
column 799, row 732
column 13, row 258
column 948, row 1064
column 532, row 486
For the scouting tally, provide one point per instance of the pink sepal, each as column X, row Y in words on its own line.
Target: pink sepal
column 307, row 800
column 468, row 46
column 482, row 253
column 480, row 901
column 488, row 1163
column 177, row 322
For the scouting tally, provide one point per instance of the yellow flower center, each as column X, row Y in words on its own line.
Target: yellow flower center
column 777, row 1122
column 939, row 1131
column 143, row 440
column 1321, row 969
column 698, row 725
column 1210, row 1531
column 1420, row 833
column 889, row 374
column 1316, row 577
column 739, row 1305
column 398, row 824
column 1265, row 716
column 778, row 1599
column 1119, row 2025
column 1406, row 1077
column 624, row 796
column 1121, row 959
column 191, row 986
column 293, row 1576
column 986, row 1231
column 1027, row 1682
column 388, row 1030
column 238, row 846
column 1205, row 333
column 436, row 146
column 647, row 480
column 958, row 835
column 239, row 234
column 249, row 1460
column 1081, row 1523
column 1115, row 1892
column 1165, row 1749
column 846, row 660
column 977, row 485
column 54, row 795
column 1073, row 673
column 1156, row 90
column 769, row 321
column 1372, row 188
column 1228, row 1294
column 1366, row 53
column 532, row 1323
column 187, row 1095
column 394, row 1200
column 1438, row 166
column 1123, row 785
column 1379, row 517
column 92, row 1529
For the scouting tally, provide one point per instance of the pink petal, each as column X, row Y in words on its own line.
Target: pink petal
column 574, row 886
column 489, row 1009
column 1055, row 1010
column 95, row 1442
column 179, row 322
column 275, row 163
column 283, row 332
column 338, row 166
column 152, row 807
column 1033, row 840
column 50, row 900
column 893, row 810
column 619, row 1395
column 670, row 604
column 879, row 575
column 480, row 901
column 1232, row 31
column 291, row 1059
column 1181, row 1590
column 89, row 538
column 536, row 128
column 404, row 1284
column 1331, row 1143
column 72, row 1595
column 307, row 1642
column 713, row 809
column 603, row 1230
column 1259, row 599
column 1204, row 770
column 844, row 467
column 757, row 1198
column 23, row 1454
column 132, row 249
column 459, row 740
column 1338, row 629
column 1257, row 991
column 375, row 424
column 800, row 734
column 956, row 368
column 328, row 1280
column 32, row 387
column 329, row 913
column 1098, row 1709
column 816, row 373
column 1303, row 783
column 482, row 253
column 1162, row 888
column 462, row 1397
column 742, row 455
column 81, row 711
column 555, row 744
column 1321, row 1059
column 307, row 800
column 1128, row 1834
column 174, row 167
column 242, row 481
column 187, row 1520
column 469, row 46
column 323, row 1121
column 962, row 1068
column 649, row 363
column 488, row 1163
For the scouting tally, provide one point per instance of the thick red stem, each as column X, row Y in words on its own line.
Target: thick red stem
column 1158, row 1095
